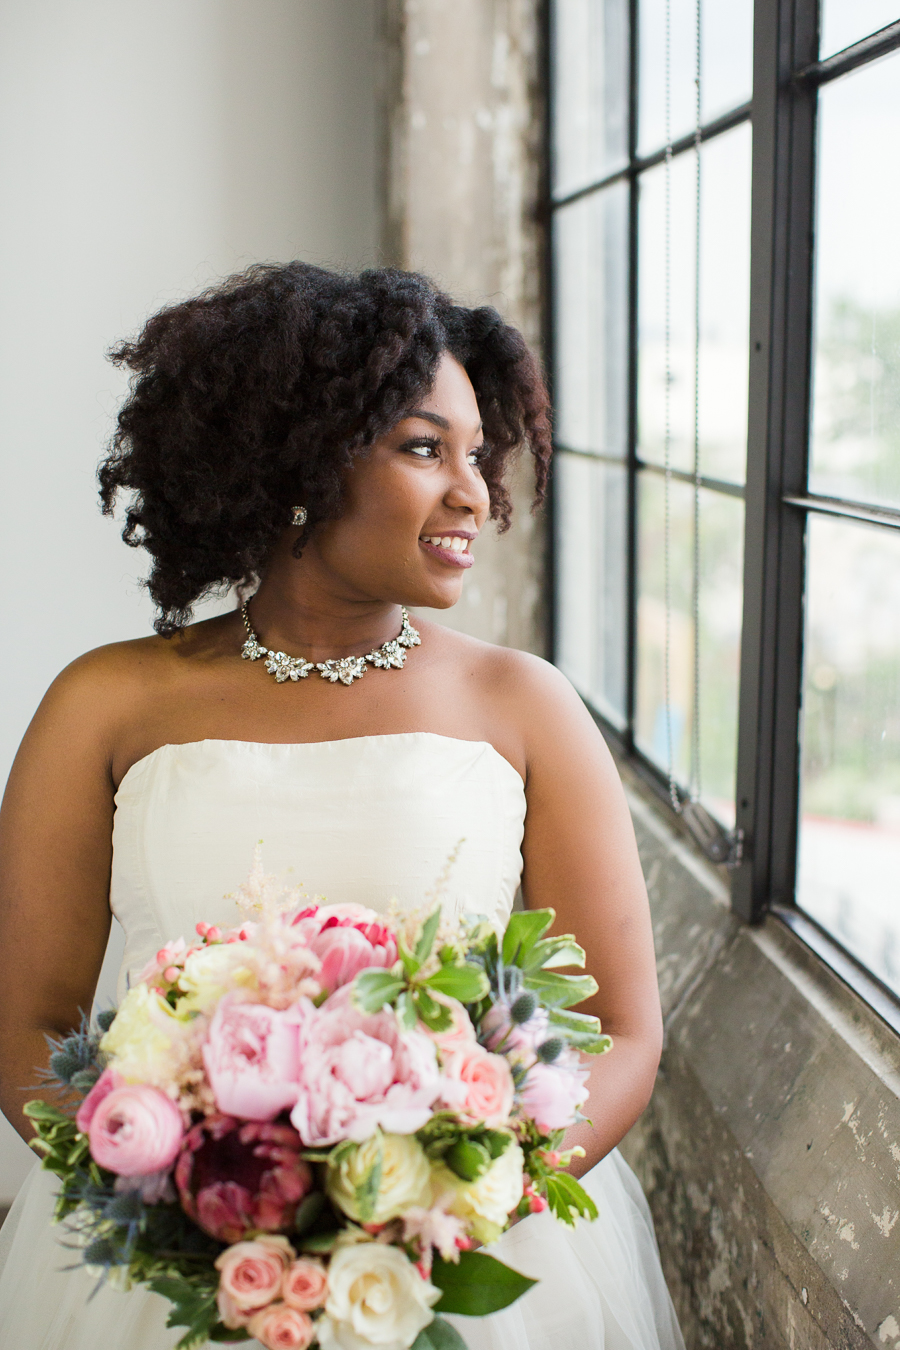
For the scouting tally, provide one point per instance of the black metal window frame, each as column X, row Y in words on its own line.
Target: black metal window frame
column 787, row 75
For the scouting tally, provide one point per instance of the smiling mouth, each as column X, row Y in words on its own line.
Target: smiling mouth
column 450, row 548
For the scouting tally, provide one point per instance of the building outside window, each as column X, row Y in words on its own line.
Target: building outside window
column 726, row 367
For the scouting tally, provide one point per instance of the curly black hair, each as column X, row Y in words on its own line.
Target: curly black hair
column 258, row 393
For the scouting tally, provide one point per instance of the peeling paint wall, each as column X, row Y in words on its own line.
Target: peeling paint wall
column 462, row 161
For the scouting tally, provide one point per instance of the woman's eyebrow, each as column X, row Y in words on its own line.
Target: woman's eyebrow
column 436, row 419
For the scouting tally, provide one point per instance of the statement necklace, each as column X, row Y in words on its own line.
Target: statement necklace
column 390, row 655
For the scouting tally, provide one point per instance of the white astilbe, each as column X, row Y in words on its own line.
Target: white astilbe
column 434, row 1228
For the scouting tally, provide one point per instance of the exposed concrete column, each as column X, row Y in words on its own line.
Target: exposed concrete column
column 463, row 170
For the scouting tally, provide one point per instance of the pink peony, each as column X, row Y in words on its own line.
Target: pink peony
column 233, row 1177
column 347, row 939
column 104, row 1085
column 552, row 1094
column 250, row 1277
column 359, row 1071
column 133, row 1131
column 486, row 1087
column 251, row 1060
column 305, row 1284
column 280, row 1327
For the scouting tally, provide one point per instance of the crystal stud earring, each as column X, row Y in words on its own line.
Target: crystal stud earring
column 299, row 515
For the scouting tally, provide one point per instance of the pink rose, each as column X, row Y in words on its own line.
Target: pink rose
column 250, row 1276
column 305, row 1284
column 233, row 1177
column 486, row 1087
column 104, row 1085
column 457, row 1036
column 359, row 1071
column 134, row 1130
column 279, row 1327
column 251, row 1060
column 350, row 940
column 552, row 1094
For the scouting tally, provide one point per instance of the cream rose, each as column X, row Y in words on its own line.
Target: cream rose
column 376, row 1297
column 405, row 1177
column 211, row 973
column 147, row 1042
column 484, row 1204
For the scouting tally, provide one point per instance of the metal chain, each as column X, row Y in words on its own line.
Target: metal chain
column 667, row 410
column 695, row 779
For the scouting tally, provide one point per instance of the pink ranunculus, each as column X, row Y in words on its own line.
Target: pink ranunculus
column 251, row 1060
column 305, row 1284
column 552, row 1094
column 251, row 1274
column 233, row 1177
column 104, row 1085
column 359, row 1071
column 350, row 940
column 486, row 1082
column 135, row 1130
column 457, row 1036
column 280, row 1327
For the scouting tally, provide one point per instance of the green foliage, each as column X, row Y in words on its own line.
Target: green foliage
column 477, row 1284
column 468, row 1158
column 308, row 1211
column 376, row 989
column 366, row 1191
column 438, row 1335
column 581, row 1030
column 568, row 1199
column 427, row 936
column 560, row 991
column 193, row 1306
column 524, row 929
column 552, row 952
column 467, row 982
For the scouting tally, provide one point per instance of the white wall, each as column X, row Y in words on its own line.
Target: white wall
column 145, row 149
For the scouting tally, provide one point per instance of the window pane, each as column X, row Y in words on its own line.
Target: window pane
column 849, row 863
column 726, row 65
column 724, row 308
column 590, row 91
column 590, row 503
column 856, row 408
column 721, row 561
column 591, row 321
column 846, row 21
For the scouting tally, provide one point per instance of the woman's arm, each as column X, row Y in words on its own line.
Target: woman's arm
column 55, row 855
column 581, row 858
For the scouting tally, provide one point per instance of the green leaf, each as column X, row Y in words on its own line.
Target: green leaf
column 554, row 951
column 438, row 1335
column 581, row 1030
column 525, row 927
column 367, row 1190
column 406, row 1011
column 376, row 989
column 436, row 1016
column 560, row 991
column 468, row 982
column 496, row 1142
column 427, row 936
column 567, row 1198
column 468, row 1159
column 308, row 1210
column 44, row 1112
column 410, row 964
column 477, row 1285
column 223, row 1333
column 319, row 1244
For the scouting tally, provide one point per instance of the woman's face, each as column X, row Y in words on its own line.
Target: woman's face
column 415, row 503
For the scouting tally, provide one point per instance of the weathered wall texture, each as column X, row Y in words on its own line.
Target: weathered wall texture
column 462, row 191
column 771, row 1149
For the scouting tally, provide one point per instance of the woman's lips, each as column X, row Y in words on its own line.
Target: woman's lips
column 463, row 558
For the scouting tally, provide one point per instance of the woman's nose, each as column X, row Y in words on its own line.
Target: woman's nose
column 468, row 491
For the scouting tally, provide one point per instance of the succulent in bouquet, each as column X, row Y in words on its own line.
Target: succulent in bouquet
column 302, row 1130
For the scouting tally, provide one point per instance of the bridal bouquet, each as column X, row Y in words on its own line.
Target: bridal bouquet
column 299, row 1130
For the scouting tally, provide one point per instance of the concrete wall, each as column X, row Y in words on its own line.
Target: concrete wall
column 462, row 159
column 145, row 149
column 771, row 1149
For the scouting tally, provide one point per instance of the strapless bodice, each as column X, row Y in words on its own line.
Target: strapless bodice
column 363, row 820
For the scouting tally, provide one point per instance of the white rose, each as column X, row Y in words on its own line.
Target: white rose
column 147, row 1042
column 376, row 1297
column 405, row 1177
column 211, row 973
column 484, row 1204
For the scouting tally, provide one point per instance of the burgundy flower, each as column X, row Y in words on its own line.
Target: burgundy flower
column 236, row 1176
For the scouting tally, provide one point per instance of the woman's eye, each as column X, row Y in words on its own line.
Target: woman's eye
column 474, row 457
column 424, row 449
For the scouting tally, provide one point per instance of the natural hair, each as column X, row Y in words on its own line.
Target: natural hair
column 259, row 393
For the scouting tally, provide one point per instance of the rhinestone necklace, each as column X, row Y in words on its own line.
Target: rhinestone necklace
column 390, row 656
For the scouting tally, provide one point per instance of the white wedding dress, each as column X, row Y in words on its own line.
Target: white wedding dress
column 354, row 820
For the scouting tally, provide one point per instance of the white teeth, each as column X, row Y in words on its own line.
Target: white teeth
column 446, row 541
column 454, row 542
column 458, row 544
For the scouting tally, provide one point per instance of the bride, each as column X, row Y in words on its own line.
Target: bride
column 341, row 441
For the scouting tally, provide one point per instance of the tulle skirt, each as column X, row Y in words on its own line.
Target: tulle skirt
column 600, row 1286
